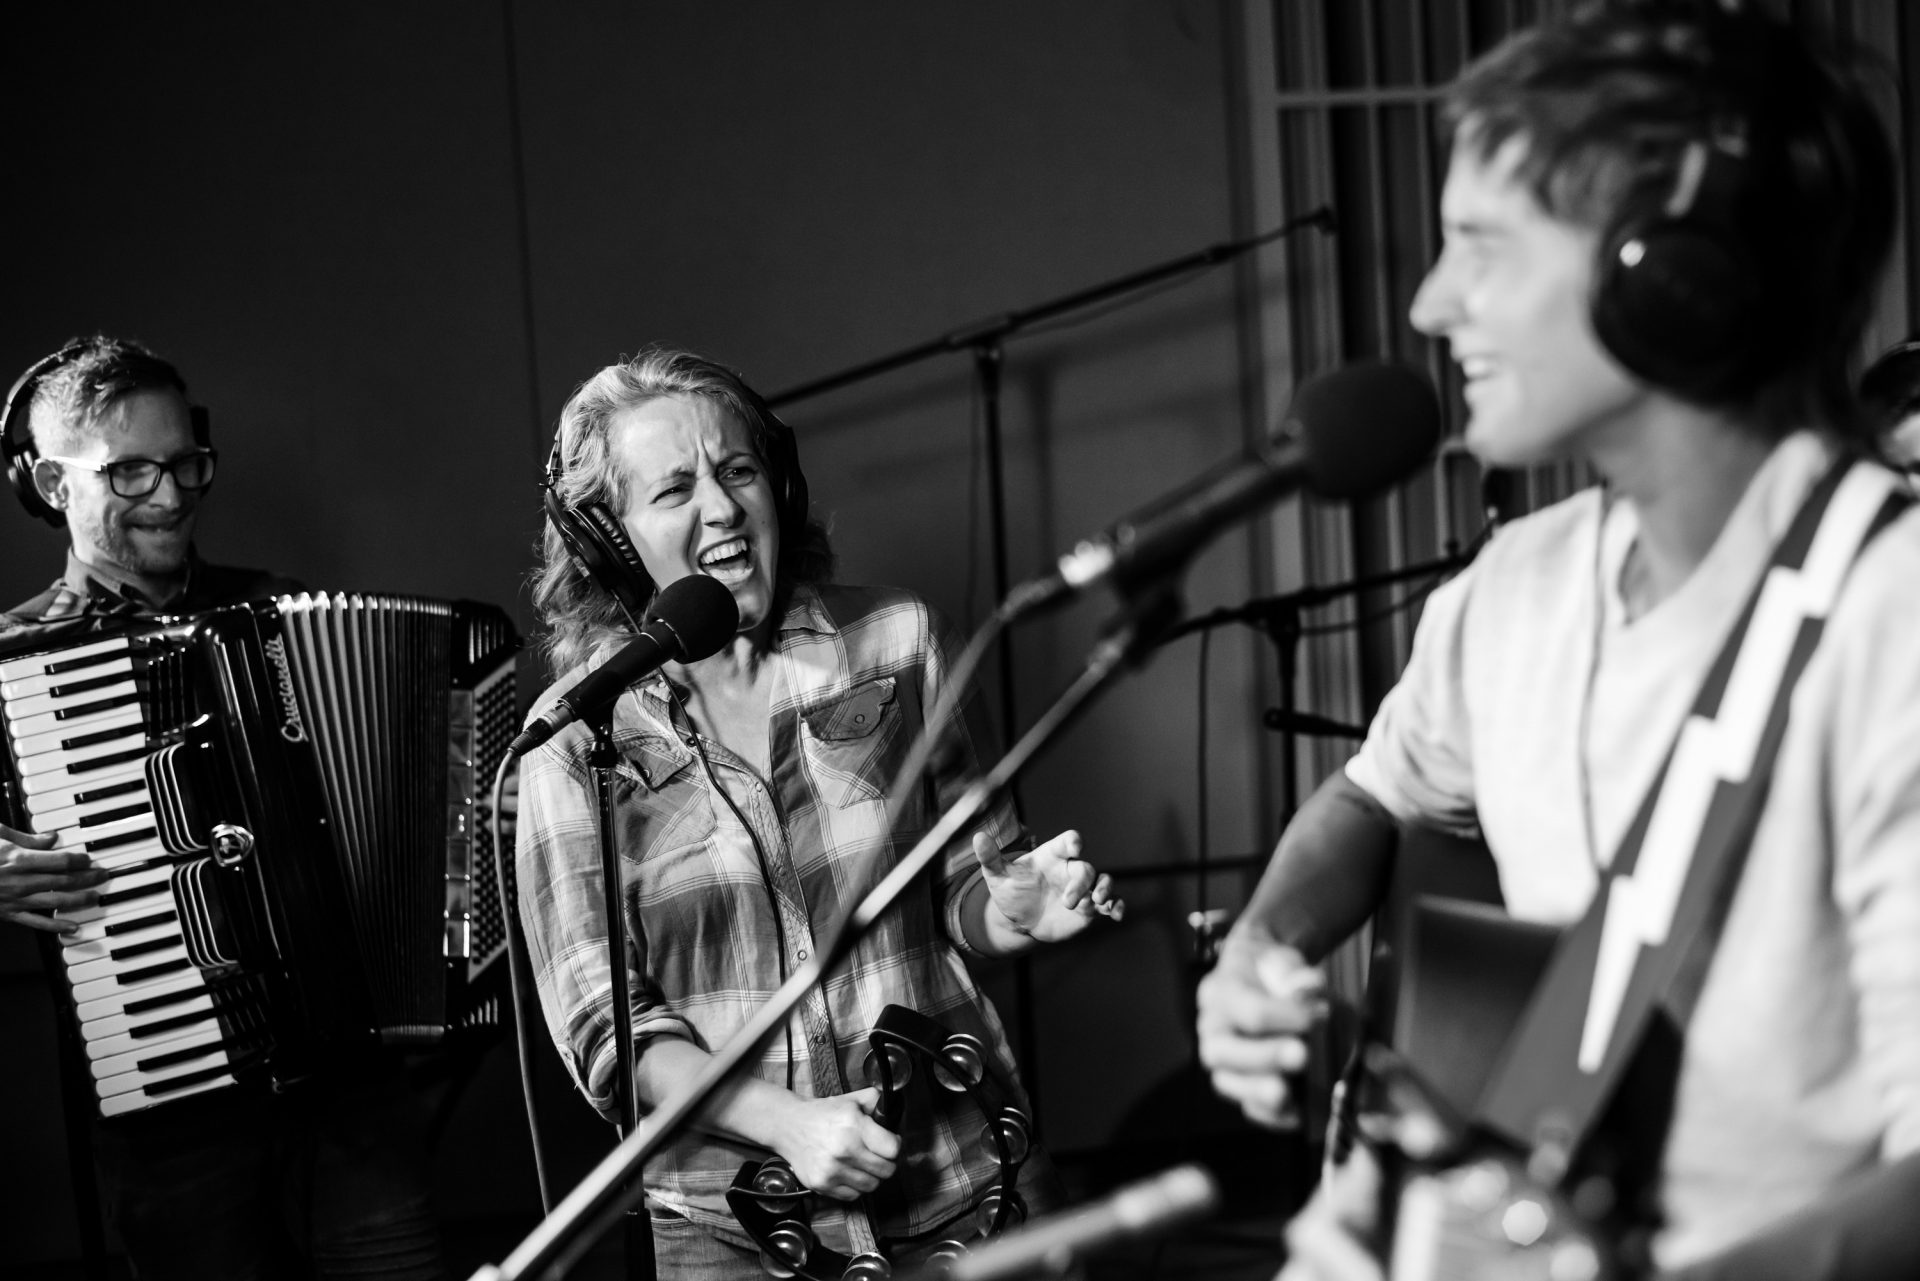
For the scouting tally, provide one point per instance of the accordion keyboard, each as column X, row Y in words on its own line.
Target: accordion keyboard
column 83, row 753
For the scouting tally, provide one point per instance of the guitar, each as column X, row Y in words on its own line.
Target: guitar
column 1459, row 1203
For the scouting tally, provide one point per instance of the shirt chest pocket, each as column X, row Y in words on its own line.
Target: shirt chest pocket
column 661, row 798
column 853, row 744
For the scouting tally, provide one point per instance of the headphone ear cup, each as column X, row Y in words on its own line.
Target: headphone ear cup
column 1676, row 305
column 16, row 441
column 600, row 546
column 794, row 500
column 20, row 465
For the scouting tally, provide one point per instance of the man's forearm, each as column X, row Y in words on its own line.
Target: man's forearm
column 1328, row 874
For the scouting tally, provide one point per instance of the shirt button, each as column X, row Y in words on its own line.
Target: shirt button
column 803, row 954
column 818, row 1037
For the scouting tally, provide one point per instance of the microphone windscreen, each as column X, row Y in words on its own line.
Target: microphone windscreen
column 701, row 612
column 1364, row 427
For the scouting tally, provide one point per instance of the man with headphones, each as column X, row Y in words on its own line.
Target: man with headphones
column 1663, row 222
column 331, row 1180
column 99, row 440
column 751, row 802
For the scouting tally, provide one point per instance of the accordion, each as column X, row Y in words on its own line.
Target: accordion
column 285, row 794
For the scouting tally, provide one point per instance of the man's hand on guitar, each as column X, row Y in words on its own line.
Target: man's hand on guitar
column 1254, row 1008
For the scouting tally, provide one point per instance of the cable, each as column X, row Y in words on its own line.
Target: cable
column 1200, row 783
column 520, row 981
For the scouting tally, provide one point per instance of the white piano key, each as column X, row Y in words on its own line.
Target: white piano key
column 78, row 951
column 212, row 1056
column 73, row 816
column 72, row 838
column 134, row 855
column 51, row 771
column 57, row 794
column 59, row 695
column 116, row 1033
column 128, row 1062
column 110, row 967
column 151, row 883
column 18, row 674
column 107, row 998
column 55, row 735
column 125, row 1104
column 94, row 992
column 102, row 917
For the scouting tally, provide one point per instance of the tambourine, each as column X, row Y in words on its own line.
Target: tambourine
column 776, row 1210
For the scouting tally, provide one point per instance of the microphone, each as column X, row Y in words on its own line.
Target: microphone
column 1350, row 433
column 691, row 618
column 1052, row 1245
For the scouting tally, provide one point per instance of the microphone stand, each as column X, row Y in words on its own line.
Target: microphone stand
column 1279, row 617
column 559, row 1240
column 638, row 1235
column 986, row 339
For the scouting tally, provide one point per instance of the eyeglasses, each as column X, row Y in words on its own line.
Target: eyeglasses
column 138, row 477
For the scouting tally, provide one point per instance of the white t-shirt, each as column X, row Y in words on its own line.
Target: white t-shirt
column 1533, row 710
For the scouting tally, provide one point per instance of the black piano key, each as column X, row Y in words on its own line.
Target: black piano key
column 107, row 793
column 81, row 741
column 83, row 662
column 110, row 758
column 160, row 1089
column 133, row 950
column 115, row 842
column 82, row 686
column 142, row 922
column 158, row 1026
column 153, row 972
column 160, row 1002
column 98, row 705
column 170, row 1057
column 111, row 897
column 114, row 816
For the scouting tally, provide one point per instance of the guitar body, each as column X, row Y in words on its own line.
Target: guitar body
column 1467, row 971
column 1459, row 1205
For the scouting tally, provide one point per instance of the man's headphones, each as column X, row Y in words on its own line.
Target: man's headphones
column 16, row 440
column 1677, row 293
column 598, row 542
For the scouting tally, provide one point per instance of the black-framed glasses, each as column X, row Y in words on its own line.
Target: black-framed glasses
column 138, row 477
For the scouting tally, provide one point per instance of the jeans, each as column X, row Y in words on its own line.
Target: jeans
column 330, row 1181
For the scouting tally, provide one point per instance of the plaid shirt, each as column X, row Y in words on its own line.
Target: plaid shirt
column 854, row 669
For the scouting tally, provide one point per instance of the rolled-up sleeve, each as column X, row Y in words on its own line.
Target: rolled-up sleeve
column 563, row 910
column 952, row 769
column 1417, row 760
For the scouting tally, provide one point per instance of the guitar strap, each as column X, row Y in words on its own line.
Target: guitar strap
column 1655, row 919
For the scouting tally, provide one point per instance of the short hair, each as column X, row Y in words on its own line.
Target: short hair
column 1606, row 102
column 582, row 617
column 96, row 373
